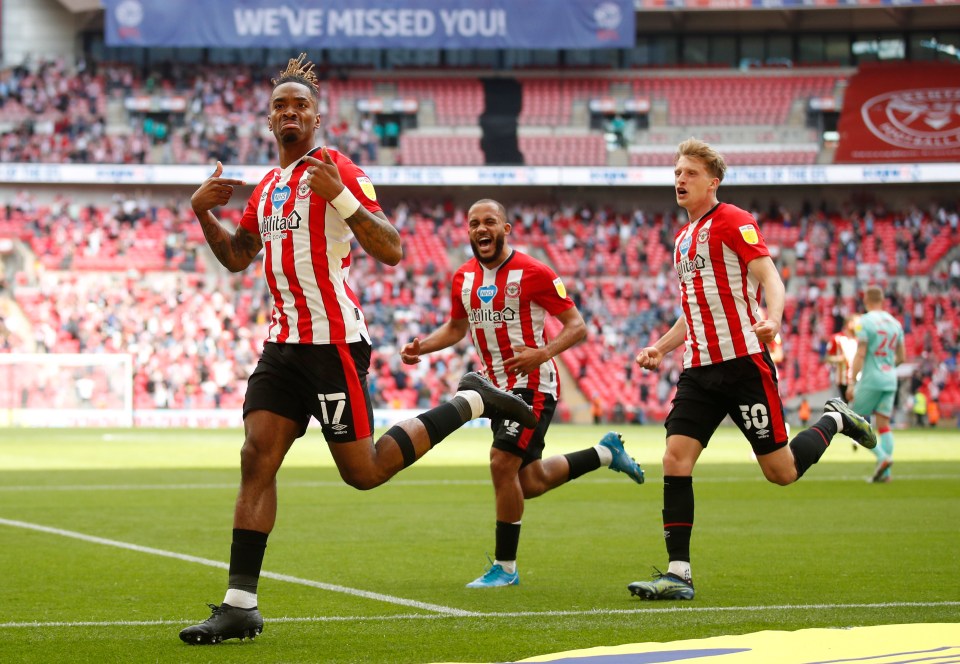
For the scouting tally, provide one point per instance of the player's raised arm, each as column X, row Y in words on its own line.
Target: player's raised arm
column 234, row 250
column 527, row 359
column 373, row 230
column 443, row 337
column 766, row 272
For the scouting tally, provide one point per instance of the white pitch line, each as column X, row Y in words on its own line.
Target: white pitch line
column 508, row 614
column 445, row 610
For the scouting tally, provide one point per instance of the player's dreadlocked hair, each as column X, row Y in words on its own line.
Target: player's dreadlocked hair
column 299, row 70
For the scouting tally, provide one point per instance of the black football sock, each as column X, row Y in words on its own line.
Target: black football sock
column 677, row 516
column 246, row 559
column 582, row 462
column 810, row 444
column 446, row 418
column 508, row 540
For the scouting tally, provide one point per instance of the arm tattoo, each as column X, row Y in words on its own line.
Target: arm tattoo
column 235, row 251
column 376, row 235
column 246, row 245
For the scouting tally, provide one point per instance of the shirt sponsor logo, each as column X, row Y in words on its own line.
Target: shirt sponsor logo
column 687, row 266
column 367, row 188
column 280, row 196
column 749, row 234
column 491, row 317
column 275, row 226
column 487, row 293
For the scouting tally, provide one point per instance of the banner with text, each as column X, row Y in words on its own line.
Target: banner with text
column 727, row 5
column 901, row 113
column 452, row 24
column 154, row 175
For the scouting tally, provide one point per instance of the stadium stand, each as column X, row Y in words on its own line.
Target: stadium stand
column 195, row 333
column 113, row 274
column 99, row 116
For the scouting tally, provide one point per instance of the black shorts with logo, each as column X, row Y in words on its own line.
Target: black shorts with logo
column 744, row 388
column 527, row 444
column 327, row 381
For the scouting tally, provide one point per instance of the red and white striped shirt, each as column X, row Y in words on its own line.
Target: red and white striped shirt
column 841, row 344
column 720, row 298
column 507, row 307
column 306, row 255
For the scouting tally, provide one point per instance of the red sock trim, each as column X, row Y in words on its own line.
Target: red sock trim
column 826, row 441
column 883, row 430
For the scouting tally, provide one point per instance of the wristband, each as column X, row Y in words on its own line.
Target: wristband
column 345, row 203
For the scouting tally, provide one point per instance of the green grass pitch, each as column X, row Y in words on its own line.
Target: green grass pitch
column 114, row 540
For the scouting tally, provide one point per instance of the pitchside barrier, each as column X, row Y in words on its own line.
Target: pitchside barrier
column 96, row 390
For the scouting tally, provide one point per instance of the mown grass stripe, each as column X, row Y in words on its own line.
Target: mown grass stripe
column 380, row 597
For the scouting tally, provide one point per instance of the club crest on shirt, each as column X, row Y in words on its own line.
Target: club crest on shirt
column 749, row 234
column 561, row 289
column 703, row 236
column 512, row 289
column 303, row 190
column 367, row 188
column 487, row 293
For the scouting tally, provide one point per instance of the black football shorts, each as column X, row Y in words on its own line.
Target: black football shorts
column 326, row 381
column 527, row 444
column 744, row 388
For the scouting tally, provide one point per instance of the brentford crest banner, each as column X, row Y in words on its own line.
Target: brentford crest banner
column 901, row 113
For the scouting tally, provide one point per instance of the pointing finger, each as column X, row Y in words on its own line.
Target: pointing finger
column 326, row 156
column 311, row 160
column 231, row 181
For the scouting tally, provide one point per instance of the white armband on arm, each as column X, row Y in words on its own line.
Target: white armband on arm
column 345, row 203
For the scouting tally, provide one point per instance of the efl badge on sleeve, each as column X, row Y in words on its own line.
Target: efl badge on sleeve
column 367, row 188
column 749, row 234
column 561, row 289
